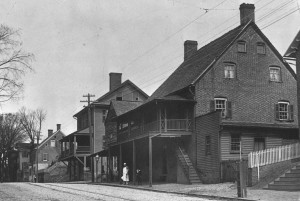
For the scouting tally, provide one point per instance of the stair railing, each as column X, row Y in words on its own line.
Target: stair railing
column 188, row 166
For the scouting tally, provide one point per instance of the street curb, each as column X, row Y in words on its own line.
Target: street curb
column 178, row 193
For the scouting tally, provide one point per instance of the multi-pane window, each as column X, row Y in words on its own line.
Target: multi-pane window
column 229, row 71
column 220, row 105
column 274, row 74
column 282, row 111
column 52, row 143
column 241, row 45
column 261, row 48
column 235, row 142
column 207, row 145
column 259, row 144
column 45, row 156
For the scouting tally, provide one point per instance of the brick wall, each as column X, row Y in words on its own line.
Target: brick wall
column 208, row 165
column 252, row 94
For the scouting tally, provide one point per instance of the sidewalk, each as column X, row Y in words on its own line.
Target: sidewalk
column 223, row 191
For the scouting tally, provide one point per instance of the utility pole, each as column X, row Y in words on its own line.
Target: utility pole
column 91, row 133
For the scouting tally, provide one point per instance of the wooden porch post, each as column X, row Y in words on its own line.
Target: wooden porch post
column 84, row 167
column 120, row 162
column 74, row 144
column 159, row 119
column 166, row 123
column 69, row 150
column 109, row 168
column 150, row 162
column 134, row 162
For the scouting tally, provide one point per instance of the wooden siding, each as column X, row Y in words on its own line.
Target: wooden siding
column 272, row 139
column 208, row 165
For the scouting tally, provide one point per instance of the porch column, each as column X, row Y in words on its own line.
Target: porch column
column 150, row 162
column 298, row 85
column 120, row 162
column 84, row 167
column 159, row 119
column 69, row 150
column 165, row 116
column 109, row 165
column 74, row 144
column 134, row 162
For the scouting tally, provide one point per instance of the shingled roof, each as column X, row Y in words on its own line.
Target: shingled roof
column 188, row 72
column 122, row 107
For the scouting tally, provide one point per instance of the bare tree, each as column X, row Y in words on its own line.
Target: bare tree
column 14, row 64
column 11, row 132
column 31, row 121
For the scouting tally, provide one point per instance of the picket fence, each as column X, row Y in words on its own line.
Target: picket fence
column 273, row 155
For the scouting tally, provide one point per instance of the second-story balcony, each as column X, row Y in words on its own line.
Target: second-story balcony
column 75, row 145
column 167, row 128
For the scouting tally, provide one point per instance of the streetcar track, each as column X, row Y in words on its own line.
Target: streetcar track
column 75, row 189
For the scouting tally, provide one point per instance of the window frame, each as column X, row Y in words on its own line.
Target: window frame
column 45, row 158
column 263, row 45
column 224, row 110
column 244, row 44
column 279, row 74
column 283, row 113
column 235, row 143
column 227, row 71
column 207, row 145
column 51, row 143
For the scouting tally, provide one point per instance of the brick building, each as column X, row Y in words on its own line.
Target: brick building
column 233, row 96
column 86, row 144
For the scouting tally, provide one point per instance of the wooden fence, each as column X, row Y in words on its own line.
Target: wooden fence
column 273, row 155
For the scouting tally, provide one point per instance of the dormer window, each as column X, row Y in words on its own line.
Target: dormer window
column 274, row 74
column 261, row 48
column 241, row 45
column 229, row 71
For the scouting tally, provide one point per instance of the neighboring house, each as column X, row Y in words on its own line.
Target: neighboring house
column 24, row 164
column 234, row 94
column 78, row 146
column 49, row 149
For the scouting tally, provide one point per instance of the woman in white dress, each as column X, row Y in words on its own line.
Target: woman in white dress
column 125, row 176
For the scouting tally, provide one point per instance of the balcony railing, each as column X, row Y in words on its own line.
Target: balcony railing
column 164, row 126
column 79, row 150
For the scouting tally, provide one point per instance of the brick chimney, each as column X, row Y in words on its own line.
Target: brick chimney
column 247, row 13
column 190, row 47
column 50, row 132
column 115, row 80
column 58, row 126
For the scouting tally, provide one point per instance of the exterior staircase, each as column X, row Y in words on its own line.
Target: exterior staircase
column 290, row 181
column 187, row 166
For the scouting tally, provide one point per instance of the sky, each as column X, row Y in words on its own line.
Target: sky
column 78, row 43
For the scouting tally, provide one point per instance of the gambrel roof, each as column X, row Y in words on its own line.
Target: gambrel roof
column 191, row 70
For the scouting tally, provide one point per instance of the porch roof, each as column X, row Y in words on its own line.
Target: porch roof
column 80, row 132
column 260, row 125
column 154, row 101
column 101, row 153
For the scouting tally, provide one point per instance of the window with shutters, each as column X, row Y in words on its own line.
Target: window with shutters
column 45, row 156
column 284, row 111
column 207, row 145
column 222, row 105
column 241, row 46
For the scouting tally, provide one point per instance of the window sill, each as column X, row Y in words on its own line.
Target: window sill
column 270, row 81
